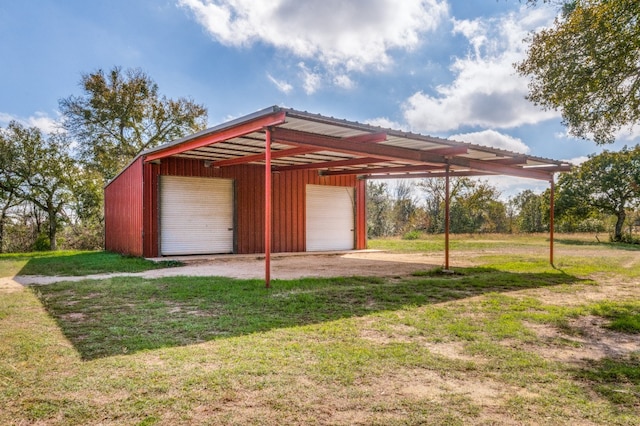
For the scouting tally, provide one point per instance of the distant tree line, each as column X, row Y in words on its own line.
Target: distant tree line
column 602, row 196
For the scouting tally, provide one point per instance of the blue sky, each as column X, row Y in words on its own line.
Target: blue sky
column 436, row 67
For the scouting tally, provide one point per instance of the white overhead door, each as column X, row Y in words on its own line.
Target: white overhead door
column 196, row 215
column 330, row 218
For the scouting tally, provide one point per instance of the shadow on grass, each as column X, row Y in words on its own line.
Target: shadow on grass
column 617, row 380
column 126, row 314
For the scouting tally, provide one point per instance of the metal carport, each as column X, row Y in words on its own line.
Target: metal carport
column 283, row 139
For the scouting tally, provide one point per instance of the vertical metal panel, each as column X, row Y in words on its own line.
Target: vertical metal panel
column 330, row 217
column 277, row 214
column 361, row 214
column 150, row 210
column 123, row 213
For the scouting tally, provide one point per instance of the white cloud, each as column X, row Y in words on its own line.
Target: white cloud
column 312, row 81
column 40, row 120
column 510, row 186
column 282, row 86
column 629, row 134
column 344, row 81
column 493, row 139
column 347, row 35
column 486, row 91
column 386, row 123
column 576, row 161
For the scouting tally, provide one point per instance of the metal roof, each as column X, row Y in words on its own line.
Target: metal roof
column 302, row 140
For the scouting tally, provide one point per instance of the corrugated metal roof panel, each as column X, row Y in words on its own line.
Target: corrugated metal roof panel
column 478, row 158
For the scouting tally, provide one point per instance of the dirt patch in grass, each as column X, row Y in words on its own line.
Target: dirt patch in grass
column 8, row 285
column 74, row 316
column 585, row 339
column 607, row 288
column 401, row 333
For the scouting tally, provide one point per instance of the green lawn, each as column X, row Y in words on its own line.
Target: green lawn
column 500, row 343
column 70, row 263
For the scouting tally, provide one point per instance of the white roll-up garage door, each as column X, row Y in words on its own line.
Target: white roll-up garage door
column 196, row 215
column 330, row 218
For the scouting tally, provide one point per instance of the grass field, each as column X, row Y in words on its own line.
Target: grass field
column 73, row 263
column 509, row 341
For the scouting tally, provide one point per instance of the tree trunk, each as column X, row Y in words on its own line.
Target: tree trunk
column 621, row 215
column 3, row 217
column 52, row 234
column 53, row 227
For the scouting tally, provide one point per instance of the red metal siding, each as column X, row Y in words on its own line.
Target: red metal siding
column 288, row 202
column 123, row 212
column 150, row 211
column 361, row 214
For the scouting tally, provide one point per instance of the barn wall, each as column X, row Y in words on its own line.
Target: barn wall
column 288, row 203
column 123, row 219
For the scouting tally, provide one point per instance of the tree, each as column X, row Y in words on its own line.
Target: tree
column 405, row 207
column 531, row 212
column 608, row 182
column 379, row 205
column 475, row 207
column 11, row 182
column 434, row 190
column 121, row 114
column 48, row 171
column 586, row 66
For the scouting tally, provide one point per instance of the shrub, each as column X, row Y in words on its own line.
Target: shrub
column 411, row 235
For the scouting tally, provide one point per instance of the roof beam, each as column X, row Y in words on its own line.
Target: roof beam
column 348, row 147
column 403, row 154
column 449, row 151
column 229, row 133
column 553, row 169
column 501, row 169
column 367, row 138
column 260, row 157
column 520, row 159
column 329, row 164
column 398, row 169
column 452, row 173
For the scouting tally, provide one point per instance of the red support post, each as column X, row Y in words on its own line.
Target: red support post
column 267, row 209
column 551, row 218
column 446, row 218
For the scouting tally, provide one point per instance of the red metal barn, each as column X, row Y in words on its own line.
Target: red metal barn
column 282, row 178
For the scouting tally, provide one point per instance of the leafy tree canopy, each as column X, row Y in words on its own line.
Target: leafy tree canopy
column 609, row 182
column 587, row 66
column 49, row 172
column 11, row 182
column 121, row 114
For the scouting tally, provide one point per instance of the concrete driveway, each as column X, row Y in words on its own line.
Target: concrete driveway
column 283, row 266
